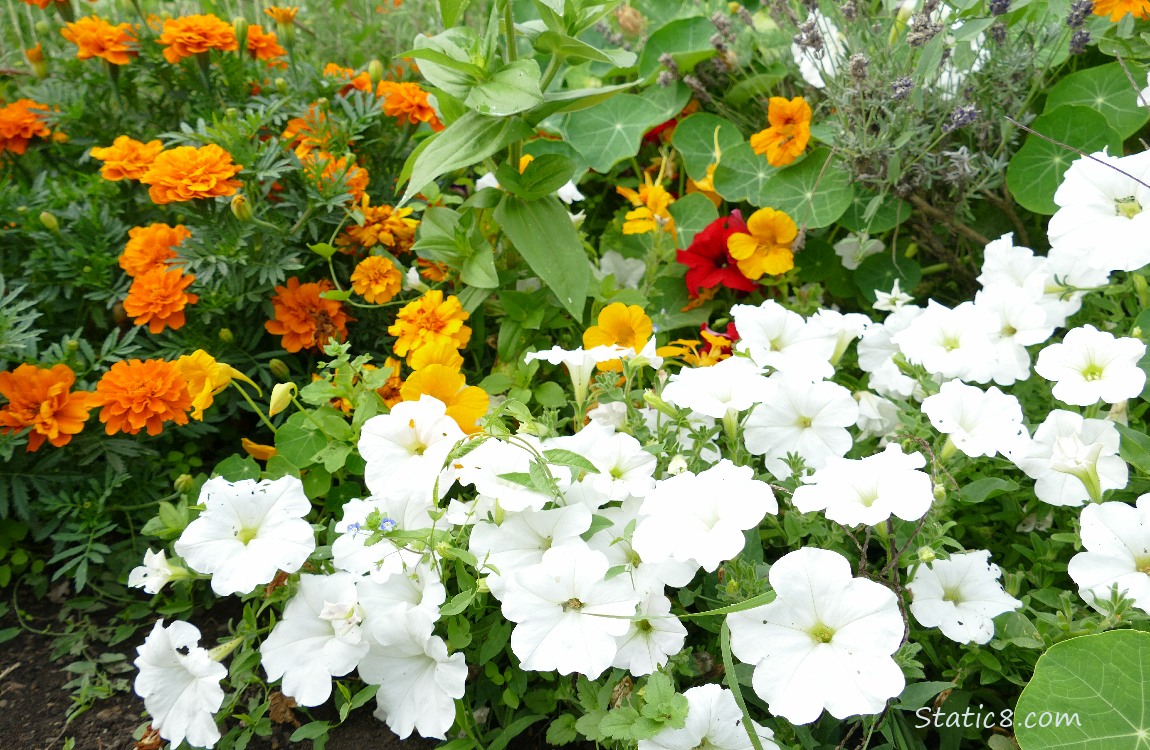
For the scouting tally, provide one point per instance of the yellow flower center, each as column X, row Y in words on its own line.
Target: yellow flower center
column 821, row 633
column 1128, row 207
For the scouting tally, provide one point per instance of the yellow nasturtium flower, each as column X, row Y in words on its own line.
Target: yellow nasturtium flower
column 619, row 325
column 767, row 249
column 465, row 403
column 206, row 378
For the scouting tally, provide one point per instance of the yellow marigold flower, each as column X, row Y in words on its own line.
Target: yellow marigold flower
column 408, row 103
column 1117, row 9
column 376, row 279
column 263, row 45
column 438, row 352
column 157, row 298
column 95, row 37
column 20, row 122
column 283, row 14
column 185, row 173
column 390, row 391
column 138, row 394
column 206, row 379
column 151, row 247
column 619, row 325
column 427, row 319
column 651, row 202
column 767, row 248
column 42, row 399
column 126, row 158
column 465, row 403
column 192, row 35
column 257, row 451
column 382, row 225
column 789, row 131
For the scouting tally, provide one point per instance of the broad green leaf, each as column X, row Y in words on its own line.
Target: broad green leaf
column 818, row 262
column 573, row 100
column 467, row 141
column 512, row 89
column 574, row 51
column 450, row 10
column 612, row 131
column 915, row 696
column 1088, row 693
column 457, row 604
column 692, row 213
column 742, row 175
column 1106, row 90
column 755, row 86
column 864, row 214
column 543, row 234
column 235, row 468
column 688, row 40
column 542, row 177
column 479, row 269
column 298, row 445
column 695, row 139
column 986, row 488
column 1036, row 170
column 880, row 271
column 513, row 730
column 563, row 457
column 1134, row 448
column 543, row 146
column 561, row 731
column 670, row 100
column 814, row 192
column 459, row 45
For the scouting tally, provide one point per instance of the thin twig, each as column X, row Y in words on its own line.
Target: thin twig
column 1078, row 151
column 1130, row 77
column 1005, row 204
column 946, row 219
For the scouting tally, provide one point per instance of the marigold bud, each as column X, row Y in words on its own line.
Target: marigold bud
column 226, row 335
column 281, row 85
column 241, row 209
column 375, row 71
column 279, row 369
column 42, row 27
column 50, row 222
column 240, row 24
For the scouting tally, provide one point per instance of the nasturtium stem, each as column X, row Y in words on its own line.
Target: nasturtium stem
column 258, row 411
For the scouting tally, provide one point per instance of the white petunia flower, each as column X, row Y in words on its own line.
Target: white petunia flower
column 855, row 248
column 960, row 596
column 569, row 193
column 523, row 537
column 977, row 422
column 558, row 606
column 825, row 642
column 654, row 636
column 1091, row 365
column 1117, row 541
column 810, row 419
column 318, row 638
column 416, row 589
column 839, row 328
column 878, row 417
column 870, row 490
column 180, row 684
column 248, row 531
column 714, row 722
column 948, row 343
column 485, row 467
column 731, row 386
column 1073, row 459
column 615, row 541
column 350, row 550
column 580, row 363
column 406, row 448
column 876, row 352
column 702, row 517
column 1022, row 322
column 625, row 469
column 155, row 573
column 779, row 338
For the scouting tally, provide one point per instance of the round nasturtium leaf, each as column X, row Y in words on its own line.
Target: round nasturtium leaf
column 815, row 192
column 612, row 130
column 879, row 272
column 1105, row 89
column 1088, row 693
column 742, row 175
column 1036, row 170
column 688, row 40
column 695, row 138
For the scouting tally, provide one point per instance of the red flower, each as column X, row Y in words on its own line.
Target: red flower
column 708, row 262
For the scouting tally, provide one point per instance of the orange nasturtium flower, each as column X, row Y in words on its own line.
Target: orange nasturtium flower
column 258, row 451
column 192, row 35
column 206, row 379
column 465, row 403
column 651, row 202
column 304, row 319
column 20, row 122
column 157, row 299
column 789, row 131
column 1117, row 9
column 41, row 398
column 126, row 158
column 264, row 45
column 408, row 103
column 185, row 173
column 139, row 394
column 95, row 37
column 376, row 279
column 427, row 319
column 382, row 225
column 151, row 247
column 767, row 247
column 619, row 325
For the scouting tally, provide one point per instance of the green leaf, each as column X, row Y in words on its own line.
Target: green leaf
column 323, row 249
column 1134, row 448
column 574, row 51
column 618, row 722
column 1036, row 171
column 465, row 142
column 742, row 175
column 450, row 10
column 879, row 272
column 660, row 689
column 688, row 40
column 573, row 100
column 692, row 213
column 875, row 214
column 543, row 234
column 564, row 457
column 815, row 192
column 735, row 688
column 298, row 445
column 457, row 604
column 1091, row 692
column 316, row 482
column 695, row 139
column 562, row 731
column 446, row 60
column 513, row 730
column 235, row 468
column 310, row 731
column 543, row 176
column 479, row 269
column 611, row 131
column 1106, row 90
column 915, row 696
column 512, row 89
column 986, row 488
column 550, row 395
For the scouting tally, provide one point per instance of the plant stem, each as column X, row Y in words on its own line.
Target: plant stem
column 256, row 409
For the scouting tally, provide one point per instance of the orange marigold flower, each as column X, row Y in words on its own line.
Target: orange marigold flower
column 357, row 81
column 465, row 403
column 408, row 103
column 151, row 247
column 264, row 45
column 41, row 398
column 767, row 247
column 20, row 122
column 35, row 54
column 427, row 319
column 308, row 133
column 619, row 325
column 139, row 394
column 304, row 319
column 651, row 202
column 95, row 37
column 328, row 172
column 376, row 279
column 1117, row 9
column 789, row 131
column 157, row 298
column 126, row 158
column 191, row 35
column 382, row 225
column 431, row 270
column 185, row 173
column 283, row 14
column 390, row 391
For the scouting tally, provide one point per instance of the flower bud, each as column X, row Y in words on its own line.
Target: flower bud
column 939, row 493
column 926, row 555
column 50, row 222
column 375, row 70
column 630, row 20
column 281, row 86
column 226, row 335
column 677, row 466
column 279, row 369
column 481, row 586
column 43, row 27
column 281, row 396
column 35, row 57
column 1142, row 289
column 659, row 404
column 241, row 209
column 240, row 24
column 71, row 346
column 184, row 483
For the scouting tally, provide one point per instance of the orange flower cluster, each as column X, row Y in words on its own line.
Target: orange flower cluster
column 326, row 172
column 41, row 399
column 1117, row 9
column 382, row 225
column 408, row 103
column 789, row 131
column 376, row 279
column 192, row 35
column 265, row 46
column 126, row 158
column 95, row 37
column 185, row 173
column 138, row 395
column 304, row 319
column 157, row 298
column 429, row 319
column 357, row 81
column 20, row 122
column 150, row 247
